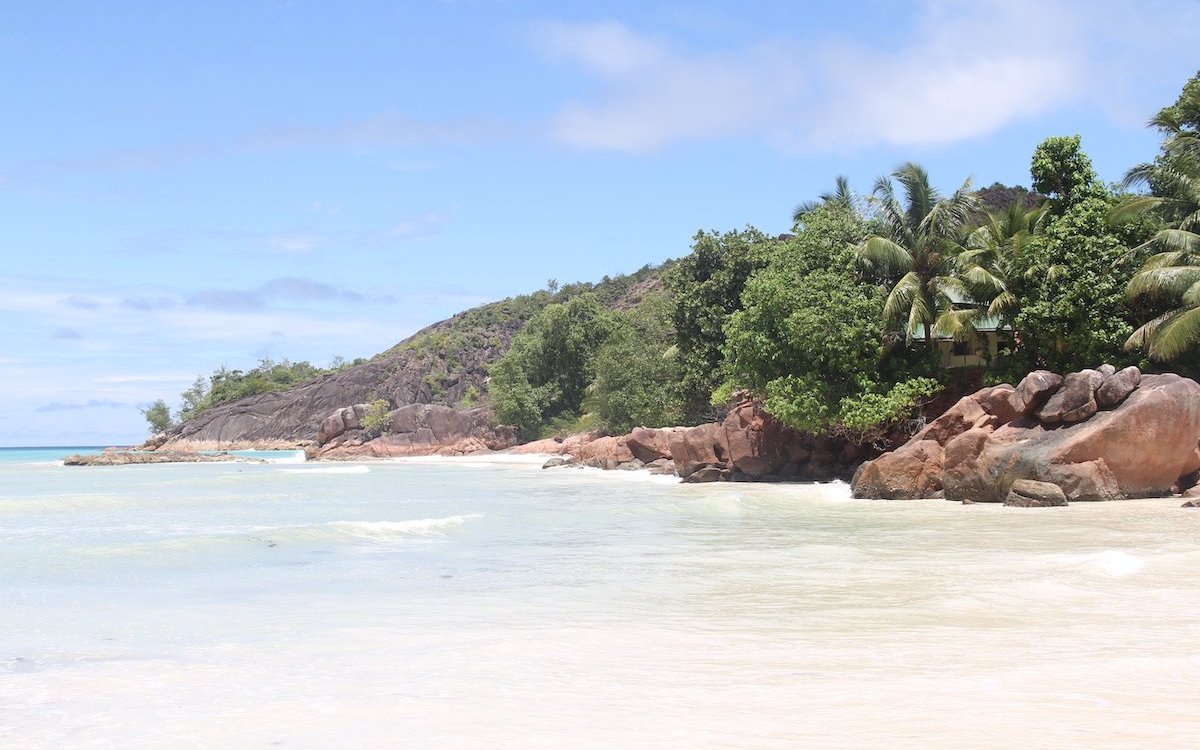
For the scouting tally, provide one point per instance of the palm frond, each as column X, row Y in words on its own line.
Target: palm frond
column 1169, row 282
column 885, row 255
column 1176, row 335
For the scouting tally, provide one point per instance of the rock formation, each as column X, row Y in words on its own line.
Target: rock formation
column 1096, row 435
column 749, row 445
column 124, row 458
column 412, row 430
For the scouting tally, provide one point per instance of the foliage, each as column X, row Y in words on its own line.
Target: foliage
column 548, row 367
column 376, row 420
column 1168, row 283
column 914, row 257
column 228, row 385
column 636, row 374
column 158, row 415
column 706, row 288
column 809, row 336
column 1072, row 313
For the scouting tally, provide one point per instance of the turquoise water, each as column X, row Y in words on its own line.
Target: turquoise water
column 477, row 604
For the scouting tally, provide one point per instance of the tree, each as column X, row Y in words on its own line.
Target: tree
column 915, row 254
column 1171, row 275
column 1071, row 307
column 636, row 374
column 841, row 197
column 158, row 415
column 706, row 288
column 990, row 261
column 546, row 371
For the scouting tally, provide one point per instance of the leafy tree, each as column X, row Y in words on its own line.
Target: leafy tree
column 915, row 255
column 706, row 287
column 546, row 371
column 809, row 336
column 158, row 415
column 636, row 372
column 1071, row 310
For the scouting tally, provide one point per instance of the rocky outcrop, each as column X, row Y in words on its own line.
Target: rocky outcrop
column 1098, row 435
column 749, row 445
column 412, row 430
column 124, row 458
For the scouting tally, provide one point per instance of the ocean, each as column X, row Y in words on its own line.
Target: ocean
column 490, row 604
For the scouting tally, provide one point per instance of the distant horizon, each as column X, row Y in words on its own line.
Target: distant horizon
column 300, row 181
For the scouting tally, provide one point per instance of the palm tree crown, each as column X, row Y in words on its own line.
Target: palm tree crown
column 915, row 253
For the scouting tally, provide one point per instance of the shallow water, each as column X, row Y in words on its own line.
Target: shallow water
column 493, row 604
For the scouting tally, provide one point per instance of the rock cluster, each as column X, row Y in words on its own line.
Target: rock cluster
column 749, row 445
column 1098, row 434
column 412, row 430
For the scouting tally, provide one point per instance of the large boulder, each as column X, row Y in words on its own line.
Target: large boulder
column 700, row 446
column 1118, row 385
column 1142, row 447
column 649, row 445
column 1075, row 401
column 1033, row 391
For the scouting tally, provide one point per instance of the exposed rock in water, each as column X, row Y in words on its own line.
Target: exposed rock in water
column 123, row 458
column 1027, row 493
column 1141, row 447
column 557, row 461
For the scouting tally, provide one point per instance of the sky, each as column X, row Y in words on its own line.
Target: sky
column 191, row 185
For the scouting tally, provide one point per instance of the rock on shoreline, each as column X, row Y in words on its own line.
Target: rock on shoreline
column 1096, row 435
column 124, row 458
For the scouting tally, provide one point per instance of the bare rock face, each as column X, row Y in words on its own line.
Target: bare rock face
column 413, row 430
column 1143, row 446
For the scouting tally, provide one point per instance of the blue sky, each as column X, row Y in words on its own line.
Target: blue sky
column 188, row 185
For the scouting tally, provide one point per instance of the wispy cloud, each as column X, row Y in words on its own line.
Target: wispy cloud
column 387, row 131
column 89, row 404
column 69, row 334
column 287, row 288
column 963, row 70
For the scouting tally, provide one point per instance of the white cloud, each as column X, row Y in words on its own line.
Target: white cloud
column 962, row 70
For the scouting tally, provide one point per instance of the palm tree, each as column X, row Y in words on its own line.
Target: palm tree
column 991, row 261
column 916, row 253
column 841, row 197
column 1173, row 273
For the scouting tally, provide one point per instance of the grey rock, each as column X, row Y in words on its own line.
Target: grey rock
column 1191, row 504
column 1047, row 493
column 634, row 465
column 1033, row 391
column 556, row 461
column 1117, row 387
column 707, row 474
column 1106, row 369
column 1071, row 401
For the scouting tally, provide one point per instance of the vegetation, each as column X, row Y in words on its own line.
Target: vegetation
column 375, row 420
column 158, row 415
column 843, row 325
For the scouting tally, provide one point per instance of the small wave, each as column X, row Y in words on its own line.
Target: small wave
column 1114, row 562
column 353, row 469
column 371, row 531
